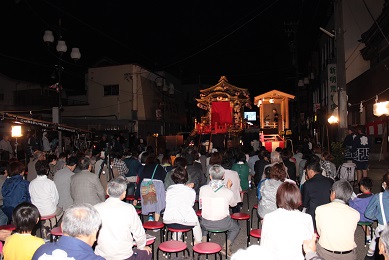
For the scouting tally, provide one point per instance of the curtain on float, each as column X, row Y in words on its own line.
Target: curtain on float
column 221, row 113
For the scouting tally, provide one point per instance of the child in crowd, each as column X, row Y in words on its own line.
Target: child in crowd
column 22, row 245
column 361, row 201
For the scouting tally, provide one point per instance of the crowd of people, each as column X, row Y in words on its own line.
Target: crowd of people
column 300, row 198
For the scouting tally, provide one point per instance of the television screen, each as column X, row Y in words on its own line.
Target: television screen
column 250, row 116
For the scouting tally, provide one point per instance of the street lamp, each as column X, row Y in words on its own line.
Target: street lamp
column 16, row 132
column 75, row 54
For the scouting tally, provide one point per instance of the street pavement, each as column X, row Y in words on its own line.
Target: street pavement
column 376, row 171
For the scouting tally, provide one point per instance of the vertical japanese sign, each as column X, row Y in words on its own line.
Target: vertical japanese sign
column 332, row 88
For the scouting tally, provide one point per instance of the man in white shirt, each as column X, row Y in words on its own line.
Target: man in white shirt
column 43, row 192
column 62, row 179
column 120, row 226
column 215, row 200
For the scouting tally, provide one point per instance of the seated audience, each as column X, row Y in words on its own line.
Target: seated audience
column 52, row 159
column 85, row 186
column 268, row 190
column 121, row 225
column 316, row 190
column 243, row 170
column 62, row 179
column 383, row 245
column 374, row 212
column 180, row 199
column 329, row 168
column 15, row 189
column 22, row 245
column 287, row 220
column 178, row 162
column 336, row 223
column 234, row 178
column 80, row 225
column 44, row 194
column 215, row 200
column 360, row 202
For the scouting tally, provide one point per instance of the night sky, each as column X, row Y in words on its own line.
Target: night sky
column 197, row 41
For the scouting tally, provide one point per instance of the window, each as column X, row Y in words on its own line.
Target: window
column 111, row 90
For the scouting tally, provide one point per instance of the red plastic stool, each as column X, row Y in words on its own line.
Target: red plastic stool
column 49, row 218
column 246, row 192
column 219, row 231
column 9, row 227
column 130, row 198
column 175, row 230
column 255, row 233
column 153, row 225
column 172, row 246
column 243, row 216
column 148, row 242
column 255, row 207
column 198, row 213
column 207, row 248
column 55, row 233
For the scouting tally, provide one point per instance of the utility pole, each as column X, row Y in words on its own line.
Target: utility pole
column 340, row 69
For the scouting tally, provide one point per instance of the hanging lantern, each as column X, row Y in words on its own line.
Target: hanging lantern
column 381, row 108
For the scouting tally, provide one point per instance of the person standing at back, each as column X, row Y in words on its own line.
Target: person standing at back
column 361, row 149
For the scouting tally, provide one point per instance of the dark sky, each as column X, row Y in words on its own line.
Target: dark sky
column 195, row 40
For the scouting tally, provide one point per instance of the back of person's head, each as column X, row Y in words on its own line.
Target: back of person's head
column 195, row 155
column 279, row 150
column 42, row 167
column 84, row 163
column 117, row 187
column 38, row 155
column 143, row 157
column 253, row 252
column 71, row 161
column 117, row 155
column 286, row 154
column 367, row 183
column 384, row 242
column 288, row 196
column 151, row 159
column 81, row 220
column 216, row 172
column 241, row 157
column 277, row 172
column 51, row 158
column 343, row 190
column 24, row 217
column 62, row 155
column 216, row 158
column 180, row 162
column 189, row 158
column 180, row 175
column 313, row 163
column 327, row 156
column 15, row 168
column 361, row 129
column 226, row 162
column 275, row 157
column 166, row 159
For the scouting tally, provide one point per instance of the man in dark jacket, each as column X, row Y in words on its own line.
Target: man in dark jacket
column 317, row 189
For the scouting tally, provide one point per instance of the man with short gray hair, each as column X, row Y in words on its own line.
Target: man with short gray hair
column 215, row 200
column 336, row 223
column 383, row 245
column 121, row 225
column 80, row 225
